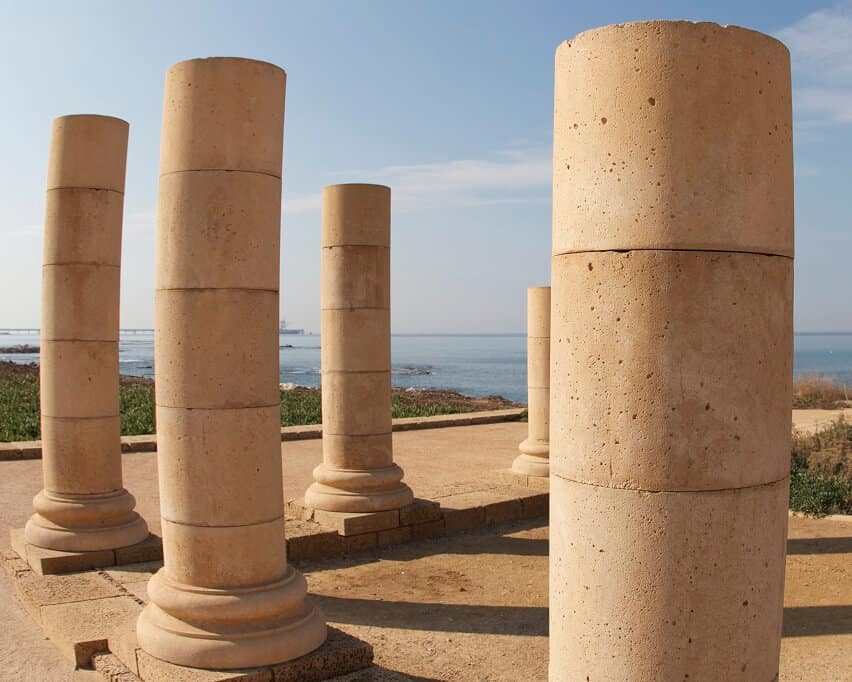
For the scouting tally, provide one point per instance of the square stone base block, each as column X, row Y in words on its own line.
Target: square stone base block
column 350, row 523
column 536, row 482
column 52, row 562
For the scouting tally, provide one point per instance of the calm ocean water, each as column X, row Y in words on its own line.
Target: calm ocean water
column 476, row 365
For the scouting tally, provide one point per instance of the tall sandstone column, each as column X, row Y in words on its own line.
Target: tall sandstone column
column 672, row 353
column 535, row 450
column 357, row 473
column 226, row 597
column 83, row 506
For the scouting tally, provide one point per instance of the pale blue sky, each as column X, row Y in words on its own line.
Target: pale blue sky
column 449, row 103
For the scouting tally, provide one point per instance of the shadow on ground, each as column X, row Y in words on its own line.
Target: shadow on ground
column 528, row 621
column 842, row 545
column 810, row 621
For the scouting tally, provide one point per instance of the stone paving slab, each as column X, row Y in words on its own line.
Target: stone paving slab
column 88, row 613
column 512, row 478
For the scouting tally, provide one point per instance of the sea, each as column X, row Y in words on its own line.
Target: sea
column 472, row 364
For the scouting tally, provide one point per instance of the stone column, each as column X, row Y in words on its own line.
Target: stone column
column 226, row 597
column 83, row 506
column 358, row 473
column 535, row 450
column 671, row 353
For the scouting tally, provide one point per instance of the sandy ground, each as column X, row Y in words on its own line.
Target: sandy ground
column 468, row 608
column 809, row 421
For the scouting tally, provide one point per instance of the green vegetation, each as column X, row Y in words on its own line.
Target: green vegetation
column 136, row 406
column 815, row 392
column 19, row 404
column 821, row 471
column 304, row 406
column 19, row 411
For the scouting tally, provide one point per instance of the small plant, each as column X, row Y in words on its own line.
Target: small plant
column 136, row 406
column 300, row 406
column 821, row 470
column 19, row 405
column 813, row 391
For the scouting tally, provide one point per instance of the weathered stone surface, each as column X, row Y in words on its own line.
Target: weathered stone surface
column 83, row 506
column 671, row 353
column 674, row 583
column 393, row 536
column 535, row 449
column 88, row 152
column 360, row 543
column 353, row 523
column 226, row 597
column 51, row 562
column 502, row 511
column 676, row 373
column 133, row 572
column 419, row 511
column 150, row 549
column 535, row 506
column 211, row 224
column 646, row 158
column 81, row 629
column 39, row 591
column 341, row 654
column 307, row 540
column 205, row 442
column 155, row 670
column 243, row 131
column 357, row 473
column 228, row 356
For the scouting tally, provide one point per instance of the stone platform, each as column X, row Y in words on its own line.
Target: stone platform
column 465, row 492
column 91, row 618
column 462, row 606
column 90, row 615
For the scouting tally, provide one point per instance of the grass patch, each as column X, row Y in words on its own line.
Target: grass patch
column 301, row 406
column 812, row 391
column 136, row 407
column 304, row 406
column 19, row 407
column 821, row 471
column 421, row 405
column 19, row 404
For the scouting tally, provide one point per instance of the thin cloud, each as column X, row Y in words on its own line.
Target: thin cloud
column 821, row 50
column 514, row 176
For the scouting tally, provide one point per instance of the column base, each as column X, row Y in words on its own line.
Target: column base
column 359, row 491
column 69, row 522
column 534, row 459
column 229, row 628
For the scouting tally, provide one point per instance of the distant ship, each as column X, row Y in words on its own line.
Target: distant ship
column 283, row 329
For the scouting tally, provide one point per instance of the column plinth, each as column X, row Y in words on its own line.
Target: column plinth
column 671, row 353
column 534, row 459
column 357, row 473
column 225, row 597
column 83, row 506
